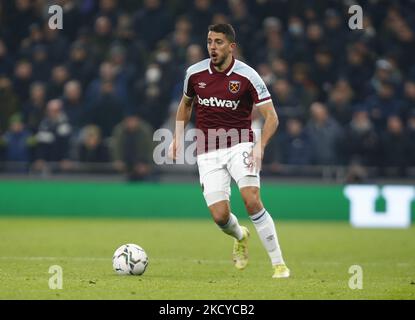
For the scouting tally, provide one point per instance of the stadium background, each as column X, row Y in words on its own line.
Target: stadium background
column 78, row 108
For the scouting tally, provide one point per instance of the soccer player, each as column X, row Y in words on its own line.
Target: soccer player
column 223, row 90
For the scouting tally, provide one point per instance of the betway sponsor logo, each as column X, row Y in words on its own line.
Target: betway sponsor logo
column 216, row 102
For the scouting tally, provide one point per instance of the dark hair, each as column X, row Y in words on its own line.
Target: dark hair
column 224, row 28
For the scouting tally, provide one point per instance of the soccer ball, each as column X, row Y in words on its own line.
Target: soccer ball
column 130, row 259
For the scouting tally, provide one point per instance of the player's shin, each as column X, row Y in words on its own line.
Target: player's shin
column 232, row 227
column 267, row 233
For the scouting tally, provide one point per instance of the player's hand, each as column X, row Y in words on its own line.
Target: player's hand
column 174, row 149
column 257, row 155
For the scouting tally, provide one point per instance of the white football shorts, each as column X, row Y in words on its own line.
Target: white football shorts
column 216, row 168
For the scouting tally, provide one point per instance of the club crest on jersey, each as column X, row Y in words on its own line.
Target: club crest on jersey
column 234, row 86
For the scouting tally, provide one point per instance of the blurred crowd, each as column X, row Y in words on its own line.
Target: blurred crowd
column 95, row 91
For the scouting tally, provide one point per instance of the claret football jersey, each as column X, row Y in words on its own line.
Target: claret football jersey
column 223, row 102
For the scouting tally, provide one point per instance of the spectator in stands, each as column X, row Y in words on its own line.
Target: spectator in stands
column 109, row 73
column 53, row 137
column 79, row 63
column 408, row 104
column 153, row 14
column 18, row 141
column 200, row 14
column 23, row 77
column 294, row 144
column 395, row 148
column 324, row 71
column 361, row 141
column 383, row 104
column 340, row 102
column 34, row 108
column 132, row 148
column 73, row 104
column 287, row 100
column 91, row 148
column 41, row 64
column 6, row 60
column 102, row 38
column 325, row 135
column 9, row 102
column 60, row 75
column 57, row 45
column 107, row 110
column 151, row 96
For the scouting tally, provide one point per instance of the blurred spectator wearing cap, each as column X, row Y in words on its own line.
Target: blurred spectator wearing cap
column 53, row 137
column 34, row 108
column 384, row 72
column 91, row 148
column 395, row 148
column 18, row 141
column 132, row 148
column 325, row 135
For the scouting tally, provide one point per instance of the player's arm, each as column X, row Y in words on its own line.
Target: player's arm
column 269, row 128
column 184, row 112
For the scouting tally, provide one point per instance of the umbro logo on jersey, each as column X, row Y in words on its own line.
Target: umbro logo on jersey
column 216, row 102
column 234, row 86
column 202, row 85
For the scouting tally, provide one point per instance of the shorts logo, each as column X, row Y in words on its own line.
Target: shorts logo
column 234, row 86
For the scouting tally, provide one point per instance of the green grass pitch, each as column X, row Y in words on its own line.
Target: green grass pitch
column 190, row 259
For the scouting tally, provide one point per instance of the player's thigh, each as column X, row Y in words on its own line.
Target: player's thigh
column 215, row 181
column 240, row 167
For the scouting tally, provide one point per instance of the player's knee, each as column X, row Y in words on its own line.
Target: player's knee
column 252, row 200
column 220, row 212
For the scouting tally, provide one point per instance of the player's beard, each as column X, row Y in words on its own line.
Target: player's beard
column 219, row 62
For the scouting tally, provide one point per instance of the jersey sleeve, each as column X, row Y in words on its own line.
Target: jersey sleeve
column 258, row 90
column 188, row 90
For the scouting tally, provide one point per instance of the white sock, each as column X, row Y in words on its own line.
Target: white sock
column 266, row 230
column 232, row 227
